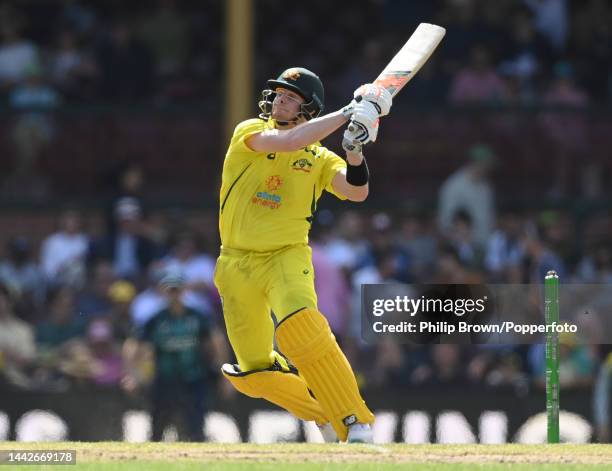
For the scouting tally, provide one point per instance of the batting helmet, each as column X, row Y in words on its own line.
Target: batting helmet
column 301, row 81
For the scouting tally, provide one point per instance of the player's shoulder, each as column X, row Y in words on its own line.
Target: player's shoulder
column 251, row 125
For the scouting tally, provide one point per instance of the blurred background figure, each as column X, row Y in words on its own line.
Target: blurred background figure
column 17, row 348
column 469, row 189
column 63, row 253
column 19, row 270
column 186, row 348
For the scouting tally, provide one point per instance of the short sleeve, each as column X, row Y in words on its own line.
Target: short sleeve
column 332, row 164
column 243, row 130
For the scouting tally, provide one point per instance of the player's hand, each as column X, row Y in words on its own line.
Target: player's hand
column 363, row 126
column 349, row 144
column 377, row 95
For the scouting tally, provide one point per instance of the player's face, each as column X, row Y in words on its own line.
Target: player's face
column 286, row 105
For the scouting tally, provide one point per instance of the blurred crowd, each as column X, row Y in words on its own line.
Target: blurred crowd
column 552, row 53
column 74, row 302
column 170, row 51
column 70, row 302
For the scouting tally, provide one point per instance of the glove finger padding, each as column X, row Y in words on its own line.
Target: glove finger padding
column 364, row 122
column 377, row 95
column 350, row 144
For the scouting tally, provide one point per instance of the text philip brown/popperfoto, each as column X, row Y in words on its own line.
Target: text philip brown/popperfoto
column 458, row 307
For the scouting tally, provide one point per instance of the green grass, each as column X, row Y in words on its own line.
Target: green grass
column 116, row 456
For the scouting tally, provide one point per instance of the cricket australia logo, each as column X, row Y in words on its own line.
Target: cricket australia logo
column 291, row 74
column 302, row 165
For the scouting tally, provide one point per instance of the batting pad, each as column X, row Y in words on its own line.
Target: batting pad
column 280, row 386
column 306, row 339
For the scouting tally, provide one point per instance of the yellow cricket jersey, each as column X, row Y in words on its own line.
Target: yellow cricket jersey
column 267, row 200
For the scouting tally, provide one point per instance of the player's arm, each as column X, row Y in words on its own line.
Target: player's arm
column 352, row 182
column 302, row 135
column 367, row 99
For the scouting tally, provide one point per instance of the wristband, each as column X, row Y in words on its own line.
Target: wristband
column 357, row 175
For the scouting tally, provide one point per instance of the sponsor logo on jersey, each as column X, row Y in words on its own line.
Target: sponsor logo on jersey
column 302, row 165
column 266, row 199
column 274, row 182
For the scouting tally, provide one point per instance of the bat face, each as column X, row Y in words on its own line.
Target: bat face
column 411, row 57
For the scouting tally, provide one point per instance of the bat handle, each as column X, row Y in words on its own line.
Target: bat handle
column 352, row 128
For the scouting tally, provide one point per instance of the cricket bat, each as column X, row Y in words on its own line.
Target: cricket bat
column 410, row 58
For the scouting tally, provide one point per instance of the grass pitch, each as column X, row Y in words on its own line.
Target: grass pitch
column 117, row 456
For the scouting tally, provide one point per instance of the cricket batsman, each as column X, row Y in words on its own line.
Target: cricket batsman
column 274, row 172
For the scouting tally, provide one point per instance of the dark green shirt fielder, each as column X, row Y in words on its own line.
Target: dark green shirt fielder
column 178, row 344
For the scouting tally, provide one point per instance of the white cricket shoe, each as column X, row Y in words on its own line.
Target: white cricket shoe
column 328, row 433
column 359, row 433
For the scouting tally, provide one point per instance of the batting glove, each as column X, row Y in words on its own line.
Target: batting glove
column 377, row 95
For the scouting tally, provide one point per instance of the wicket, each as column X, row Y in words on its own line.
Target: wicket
column 551, row 313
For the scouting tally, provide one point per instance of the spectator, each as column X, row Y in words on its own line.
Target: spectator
column 450, row 270
column 470, row 190
column 107, row 363
column 166, row 33
column 129, row 250
column 179, row 337
column 71, row 70
column 127, row 181
column 33, row 131
column 478, row 82
column 528, row 54
column 461, row 238
column 504, row 250
column 121, row 294
column 197, row 268
column 347, row 245
column 419, row 243
column 551, row 19
column 19, row 271
column 62, row 254
column 596, row 265
column 332, row 291
column 94, row 299
column 126, row 67
column 17, row 349
column 539, row 257
column 567, row 130
column 62, row 322
column 446, row 367
column 16, row 52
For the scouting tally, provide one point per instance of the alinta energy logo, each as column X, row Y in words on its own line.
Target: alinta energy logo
column 302, row 165
column 266, row 198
